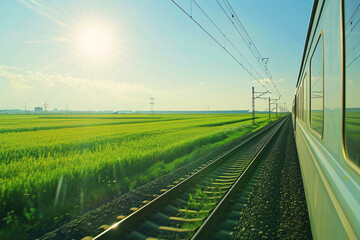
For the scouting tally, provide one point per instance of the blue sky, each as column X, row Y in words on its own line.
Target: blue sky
column 151, row 49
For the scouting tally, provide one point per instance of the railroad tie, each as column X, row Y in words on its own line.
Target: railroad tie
column 150, row 225
column 218, row 187
column 104, row 227
column 186, row 219
column 234, row 168
column 215, row 197
column 160, row 215
column 222, row 234
column 240, row 164
column 133, row 209
column 120, row 217
column 87, row 238
column 193, row 211
column 180, row 201
column 214, row 192
column 222, row 183
column 225, row 180
column 235, row 214
column 226, row 175
column 171, row 208
column 234, row 174
column 229, row 224
column 174, row 229
column 137, row 235
column 204, row 204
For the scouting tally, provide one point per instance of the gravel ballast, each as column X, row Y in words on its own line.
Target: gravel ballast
column 276, row 208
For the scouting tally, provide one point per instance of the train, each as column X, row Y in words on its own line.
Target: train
column 326, row 119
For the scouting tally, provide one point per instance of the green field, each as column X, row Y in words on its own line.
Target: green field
column 317, row 121
column 352, row 135
column 54, row 165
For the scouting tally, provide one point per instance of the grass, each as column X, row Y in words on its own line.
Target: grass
column 53, row 166
column 352, row 136
column 317, row 121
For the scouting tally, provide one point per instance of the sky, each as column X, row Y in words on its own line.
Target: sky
column 115, row 55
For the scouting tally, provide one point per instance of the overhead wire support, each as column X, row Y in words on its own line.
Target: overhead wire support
column 256, row 95
column 212, row 37
column 152, row 104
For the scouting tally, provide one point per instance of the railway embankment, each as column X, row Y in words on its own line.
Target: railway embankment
column 276, row 208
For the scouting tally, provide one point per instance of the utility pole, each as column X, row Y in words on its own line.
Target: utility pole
column 269, row 109
column 45, row 106
column 253, row 106
column 152, row 104
column 25, row 107
column 274, row 101
column 256, row 95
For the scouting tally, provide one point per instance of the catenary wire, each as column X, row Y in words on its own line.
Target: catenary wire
column 233, row 13
column 257, row 58
column 222, row 46
column 231, row 43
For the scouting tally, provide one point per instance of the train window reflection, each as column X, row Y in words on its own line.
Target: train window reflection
column 305, row 98
column 317, row 88
column 352, row 81
column 302, row 101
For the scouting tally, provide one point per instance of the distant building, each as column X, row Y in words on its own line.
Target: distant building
column 38, row 109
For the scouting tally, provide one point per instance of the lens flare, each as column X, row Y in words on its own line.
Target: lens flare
column 95, row 42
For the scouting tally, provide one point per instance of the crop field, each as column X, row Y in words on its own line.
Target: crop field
column 54, row 165
column 352, row 135
column 317, row 121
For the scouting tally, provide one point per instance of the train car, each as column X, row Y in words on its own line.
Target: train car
column 326, row 118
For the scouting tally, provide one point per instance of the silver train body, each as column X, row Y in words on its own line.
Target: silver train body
column 326, row 119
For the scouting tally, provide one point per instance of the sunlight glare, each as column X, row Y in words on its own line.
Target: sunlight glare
column 96, row 42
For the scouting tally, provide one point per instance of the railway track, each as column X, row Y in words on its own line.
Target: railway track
column 193, row 207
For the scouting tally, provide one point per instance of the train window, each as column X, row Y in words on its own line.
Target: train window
column 317, row 88
column 302, row 101
column 300, row 115
column 352, row 81
column 305, row 97
column 299, row 104
column 296, row 104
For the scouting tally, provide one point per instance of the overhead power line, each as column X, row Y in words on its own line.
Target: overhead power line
column 217, row 41
column 224, row 35
column 246, row 38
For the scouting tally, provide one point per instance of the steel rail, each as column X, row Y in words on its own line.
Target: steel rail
column 205, row 229
column 121, row 226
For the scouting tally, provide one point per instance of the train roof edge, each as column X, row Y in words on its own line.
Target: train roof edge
column 312, row 16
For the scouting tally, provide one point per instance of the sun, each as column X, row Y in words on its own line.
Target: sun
column 95, row 42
